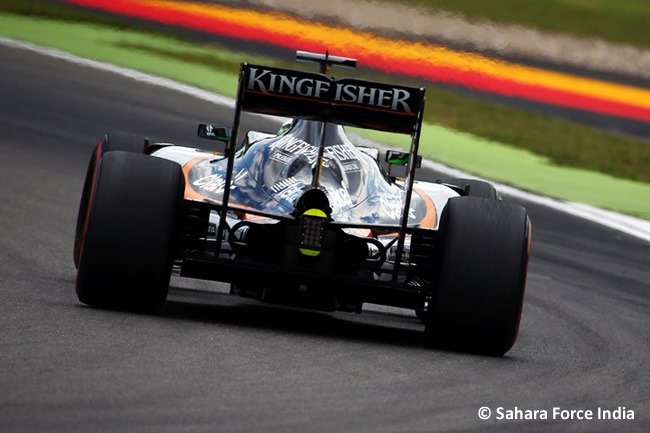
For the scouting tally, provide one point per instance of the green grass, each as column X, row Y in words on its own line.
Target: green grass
column 565, row 143
column 525, row 170
column 626, row 21
column 214, row 68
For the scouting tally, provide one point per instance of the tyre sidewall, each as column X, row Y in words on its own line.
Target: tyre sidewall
column 477, row 305
column 129, row 240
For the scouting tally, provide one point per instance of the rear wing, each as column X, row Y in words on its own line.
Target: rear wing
column 346, row 101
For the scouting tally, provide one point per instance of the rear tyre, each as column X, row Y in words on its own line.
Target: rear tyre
column 130, row 232
column 479, row 298
column 473, row 187
column 470, row 188
column 114, row 141
column 124, row 141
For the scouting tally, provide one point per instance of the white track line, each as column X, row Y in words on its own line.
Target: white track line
column 125, row 72
column 633, row 226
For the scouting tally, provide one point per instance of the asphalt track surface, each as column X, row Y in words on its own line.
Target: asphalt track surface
column 212, row 362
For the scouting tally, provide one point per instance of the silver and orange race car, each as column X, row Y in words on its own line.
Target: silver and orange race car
column 305, row 217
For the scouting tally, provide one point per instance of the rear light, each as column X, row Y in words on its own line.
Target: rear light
column 312, row 228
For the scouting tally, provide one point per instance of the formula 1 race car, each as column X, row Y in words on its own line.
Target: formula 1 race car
column 304, row 217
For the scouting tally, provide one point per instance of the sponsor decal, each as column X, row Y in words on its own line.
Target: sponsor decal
column 351, row 166
column 288, row 147
column 341, row 152
column 281, row 157
column 295, row 146
column 290, row 189
column 346, row 101
column 283, row 184
column 290, row 193
column 216, row 182
column 393, row 208
column 267, row 80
